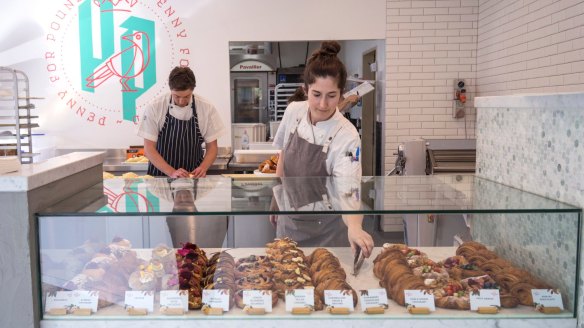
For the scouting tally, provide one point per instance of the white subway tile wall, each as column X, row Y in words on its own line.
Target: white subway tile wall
column 429, row 45
column 530, row 46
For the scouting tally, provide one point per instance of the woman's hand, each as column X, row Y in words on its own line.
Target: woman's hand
column 358, row 237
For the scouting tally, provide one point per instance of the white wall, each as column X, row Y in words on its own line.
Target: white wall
column 429, row 44
column 211, row 24
column 530, row 46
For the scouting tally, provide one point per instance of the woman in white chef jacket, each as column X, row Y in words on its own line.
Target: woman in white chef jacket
column 318, row 141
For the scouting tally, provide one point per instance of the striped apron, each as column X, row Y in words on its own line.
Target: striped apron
column 179, row 143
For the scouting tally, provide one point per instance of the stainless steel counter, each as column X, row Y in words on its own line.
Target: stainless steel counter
column 115, row 160
column 118, row 165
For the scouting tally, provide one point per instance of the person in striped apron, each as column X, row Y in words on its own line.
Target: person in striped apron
column 318, row 141
column 175, row 126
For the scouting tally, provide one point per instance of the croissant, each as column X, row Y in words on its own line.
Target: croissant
column 269, row 165
column 316, row 254
column 522, row 291
column 336, row 284
column 274, row 159
column 324, row 275
column 507, row 278
column 508, row 300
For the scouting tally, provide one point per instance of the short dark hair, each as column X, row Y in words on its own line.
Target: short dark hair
column 324, row 62
column 181, row 78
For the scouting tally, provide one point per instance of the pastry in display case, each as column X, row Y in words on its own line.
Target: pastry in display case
column 453, row 274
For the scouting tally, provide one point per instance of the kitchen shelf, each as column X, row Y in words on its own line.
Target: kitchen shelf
column 282, row 92
column 15, row 98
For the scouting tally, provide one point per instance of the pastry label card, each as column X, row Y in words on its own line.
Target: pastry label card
column 217, row 298
column 547, row 298
column 373, row 298
column 174, row 299
column 419, row 298
column 254, row 299
column 137, row 299
column 72, row 300
column 484, row 297
column 299, row 298
column 339, row 299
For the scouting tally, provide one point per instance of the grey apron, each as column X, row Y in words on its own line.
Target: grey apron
column 306, row 176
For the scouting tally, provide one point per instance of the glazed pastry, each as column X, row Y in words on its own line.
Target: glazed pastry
column 435, row 274
column 460, row 301
column 453, row 261
column 166, row 256
column 169, row 282
column 465, row 271
column 191, row 262
column 142, row 279
column 253, row 273
column 480, row 282
column 220, row 274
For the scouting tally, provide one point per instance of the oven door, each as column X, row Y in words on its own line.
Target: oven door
column 249, row 96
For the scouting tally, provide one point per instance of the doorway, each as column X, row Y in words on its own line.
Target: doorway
column 368, row 121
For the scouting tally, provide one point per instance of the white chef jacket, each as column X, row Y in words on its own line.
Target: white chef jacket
column 338, row 162
column 154, row 115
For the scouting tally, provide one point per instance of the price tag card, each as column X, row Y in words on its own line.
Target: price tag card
column 299, row 298
column 419, row 298
column 217, row 298
column 139, row 300
column 254, row 299
column 339, row 299
column 484, row 297
column 174, row 299
column 72, row 300
column 373, row 298
column 547, row 298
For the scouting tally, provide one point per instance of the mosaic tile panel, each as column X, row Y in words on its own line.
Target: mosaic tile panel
column 541, row 243
column 539, row 149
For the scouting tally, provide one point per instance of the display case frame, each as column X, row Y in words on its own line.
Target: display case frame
column 417, row 197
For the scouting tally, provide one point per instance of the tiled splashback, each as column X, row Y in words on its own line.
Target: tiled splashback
column 544, row 244
column 535, row 143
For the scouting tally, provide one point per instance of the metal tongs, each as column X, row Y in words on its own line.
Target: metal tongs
column 357, row 261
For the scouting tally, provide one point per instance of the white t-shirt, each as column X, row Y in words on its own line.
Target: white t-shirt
column 338, row 162
column 152, row 121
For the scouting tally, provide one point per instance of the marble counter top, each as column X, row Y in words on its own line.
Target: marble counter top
column 543, row 100
column 35, row 175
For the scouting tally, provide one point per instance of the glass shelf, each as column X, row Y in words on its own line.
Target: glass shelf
column 219, row 195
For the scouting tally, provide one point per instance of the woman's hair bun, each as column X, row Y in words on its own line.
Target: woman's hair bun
column 329, row 48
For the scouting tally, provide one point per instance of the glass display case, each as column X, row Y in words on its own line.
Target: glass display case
column 187, row 249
